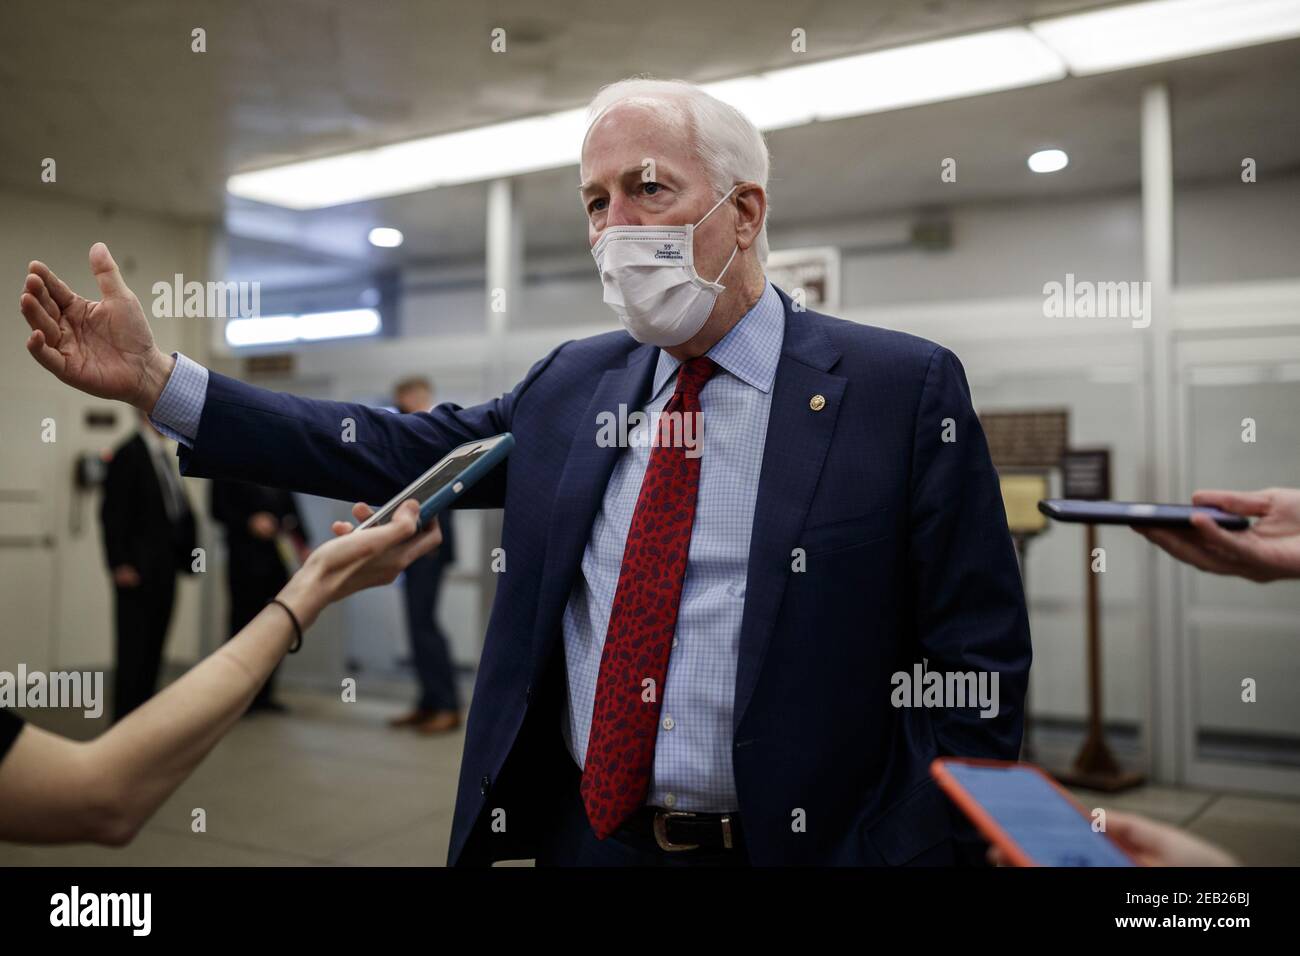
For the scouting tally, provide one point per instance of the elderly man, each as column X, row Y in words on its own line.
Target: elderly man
column 693, row 658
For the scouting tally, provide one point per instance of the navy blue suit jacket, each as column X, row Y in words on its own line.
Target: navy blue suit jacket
column 907, row 556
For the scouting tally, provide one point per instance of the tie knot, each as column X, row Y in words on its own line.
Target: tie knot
column 694, row 373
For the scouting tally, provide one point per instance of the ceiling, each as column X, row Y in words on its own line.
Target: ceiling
column 137, row 120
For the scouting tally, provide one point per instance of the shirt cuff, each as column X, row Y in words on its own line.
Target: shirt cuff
column 180, row 406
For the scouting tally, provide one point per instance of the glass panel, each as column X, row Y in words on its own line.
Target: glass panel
column 1239, row 631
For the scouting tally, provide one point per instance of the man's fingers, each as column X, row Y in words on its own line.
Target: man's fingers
column 38, row 318
column 34, row 286
column 341, row 527
column 106, row 272
column 59, row 290
column 361, row 511
column 1237, row 502
column 50, row 358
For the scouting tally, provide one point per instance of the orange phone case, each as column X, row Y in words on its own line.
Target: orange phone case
column 988, row 827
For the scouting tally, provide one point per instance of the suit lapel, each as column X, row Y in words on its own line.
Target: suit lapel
column 798, row 438
column 582, row 490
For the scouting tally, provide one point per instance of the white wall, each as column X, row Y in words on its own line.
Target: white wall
column 57, row 605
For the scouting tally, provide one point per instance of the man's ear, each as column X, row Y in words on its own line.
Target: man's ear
column 751, row 211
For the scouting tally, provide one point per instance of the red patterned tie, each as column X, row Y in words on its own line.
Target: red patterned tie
column 625, row 721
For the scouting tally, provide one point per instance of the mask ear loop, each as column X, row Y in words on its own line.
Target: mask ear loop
column 725, row 197
column 727, row 266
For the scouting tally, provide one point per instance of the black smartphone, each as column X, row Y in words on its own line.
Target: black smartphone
column 1135, row 513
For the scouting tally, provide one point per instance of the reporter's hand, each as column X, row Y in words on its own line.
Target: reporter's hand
column 125, row 576
column 1159, row 844
column 1151, row 843
column 1269, row 550
column 104, row 348
column 358, row 559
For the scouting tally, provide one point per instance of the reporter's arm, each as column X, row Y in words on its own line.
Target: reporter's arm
column 54, row 790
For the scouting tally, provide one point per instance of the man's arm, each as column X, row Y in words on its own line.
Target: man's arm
column 966, row 592
column 339, row 449
column 107, row 349
column 966, row 588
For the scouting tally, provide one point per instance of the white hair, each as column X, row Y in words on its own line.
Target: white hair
column 730, row 146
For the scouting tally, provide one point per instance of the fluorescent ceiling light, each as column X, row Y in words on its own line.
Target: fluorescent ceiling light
column 386, row 237
column 849, row 86
column 486, row 152
column 987, row 62
column 312, row 326
column 1117, row 38
column 1048, row 160
column 908, row 75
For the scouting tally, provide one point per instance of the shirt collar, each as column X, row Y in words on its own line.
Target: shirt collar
column 750, row 351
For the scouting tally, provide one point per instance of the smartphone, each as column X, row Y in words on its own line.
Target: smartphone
column 446, row 481
column 1025, row 813
column 1136, row 513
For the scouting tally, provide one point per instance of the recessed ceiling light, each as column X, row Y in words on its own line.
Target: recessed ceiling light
column 385, row 237
column 1048, row 160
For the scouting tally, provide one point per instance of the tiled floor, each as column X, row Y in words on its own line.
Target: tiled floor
column 331, row 784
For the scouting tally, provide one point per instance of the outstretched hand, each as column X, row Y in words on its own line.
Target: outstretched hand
column 1268, row 550
column 104, row 348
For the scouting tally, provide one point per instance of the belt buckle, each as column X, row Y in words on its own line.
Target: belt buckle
column 661, row 831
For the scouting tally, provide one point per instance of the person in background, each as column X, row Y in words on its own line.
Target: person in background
column 55, row 790
column 438, row 709
column 257, row 521
column 148, row 537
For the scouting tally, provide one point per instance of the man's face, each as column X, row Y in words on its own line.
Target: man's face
column 636, row 136
column 415, row 399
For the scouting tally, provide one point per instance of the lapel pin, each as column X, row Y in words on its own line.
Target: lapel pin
column 817, row 402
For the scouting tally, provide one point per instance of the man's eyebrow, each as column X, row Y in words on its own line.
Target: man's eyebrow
column 635, row 169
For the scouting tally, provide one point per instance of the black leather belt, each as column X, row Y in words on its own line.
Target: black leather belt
column 676, row 831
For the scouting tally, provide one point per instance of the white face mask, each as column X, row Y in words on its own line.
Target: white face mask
column 651, row 283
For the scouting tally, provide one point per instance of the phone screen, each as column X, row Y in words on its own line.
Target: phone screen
column 1050, row 829
column 433, row 480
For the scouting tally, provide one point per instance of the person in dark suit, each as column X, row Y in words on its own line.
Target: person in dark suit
column 437, row 710
column 149, row 536
column 255, row 517
column 694, row 645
